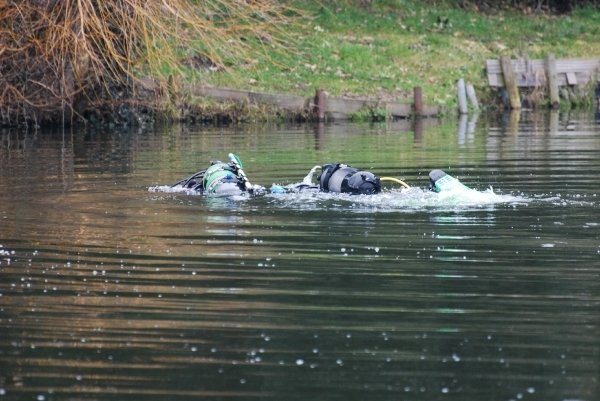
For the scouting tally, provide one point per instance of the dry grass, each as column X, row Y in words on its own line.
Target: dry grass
column 57, row 56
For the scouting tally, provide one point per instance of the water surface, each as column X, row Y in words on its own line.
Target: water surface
column 112, row 287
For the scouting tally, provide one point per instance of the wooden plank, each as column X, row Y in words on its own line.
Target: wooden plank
column 530, row 75
column 493, row 80
column 405, row 110
column 510, row 82
column 432, row 110
column 492, row 67
column 338, row 109
column 552, row 84
column 562, row 65
column 575, row 65
column 571, row 78
column 525, row 70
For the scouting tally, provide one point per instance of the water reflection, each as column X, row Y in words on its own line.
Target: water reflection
column 110, row 291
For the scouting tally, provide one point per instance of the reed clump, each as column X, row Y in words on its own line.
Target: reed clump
column 59, row 58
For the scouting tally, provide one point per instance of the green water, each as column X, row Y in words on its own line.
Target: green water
column 114, row 287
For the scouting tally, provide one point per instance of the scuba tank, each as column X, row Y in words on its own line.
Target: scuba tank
column 220, row 179
column 340, row 178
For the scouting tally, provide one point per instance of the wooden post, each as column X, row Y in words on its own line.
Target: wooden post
column 472, row 123
column 553, row 128
column 418, row 98
column 462, row 129
column 552, row 81
column 462, row 96
column 472, row 97
column 320, row 104
column 510, row 82
column 418, row 136
column 512, row 127
column 319, row 136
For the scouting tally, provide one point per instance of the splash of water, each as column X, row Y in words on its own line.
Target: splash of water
column 411, row 199
column 308, row 179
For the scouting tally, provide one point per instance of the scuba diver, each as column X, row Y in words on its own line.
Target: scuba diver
column 222, row 179
column 341, row 178
column 227, row 179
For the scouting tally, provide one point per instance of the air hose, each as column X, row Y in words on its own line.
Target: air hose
column 382, row 179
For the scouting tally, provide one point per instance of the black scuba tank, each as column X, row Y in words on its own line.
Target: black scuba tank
column 336, row 177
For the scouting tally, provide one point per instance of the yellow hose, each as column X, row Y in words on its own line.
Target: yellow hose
column 405, row 185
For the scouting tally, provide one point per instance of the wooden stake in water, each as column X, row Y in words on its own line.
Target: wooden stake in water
column 552, row 82
column 462, row 96
column 472, row 97
column 510, row 82
column 418, row 99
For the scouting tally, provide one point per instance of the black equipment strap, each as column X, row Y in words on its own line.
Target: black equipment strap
column 333, row 167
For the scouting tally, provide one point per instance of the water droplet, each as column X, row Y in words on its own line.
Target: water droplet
column 445, row 390
column 340, row 362
column 299, row 362
column 531, row 390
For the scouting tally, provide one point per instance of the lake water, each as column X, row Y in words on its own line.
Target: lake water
column 114, row 287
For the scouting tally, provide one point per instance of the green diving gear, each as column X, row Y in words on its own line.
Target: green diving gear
column 220, row 179
column 440, row 181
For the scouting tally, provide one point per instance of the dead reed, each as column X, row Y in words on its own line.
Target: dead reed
column 57, row 57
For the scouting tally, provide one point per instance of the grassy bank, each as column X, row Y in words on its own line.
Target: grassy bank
column 83, row 59
column 387, row 48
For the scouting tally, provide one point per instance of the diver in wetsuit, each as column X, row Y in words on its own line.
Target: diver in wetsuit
column 221, row 179
column 226, row 179
column 341, row 178
column 336, row 177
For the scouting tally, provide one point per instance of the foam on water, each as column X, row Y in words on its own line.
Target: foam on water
column 404, row 200
column 410, row 199
column 176, row 189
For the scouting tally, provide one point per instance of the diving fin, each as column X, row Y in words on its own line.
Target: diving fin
column 441, row 181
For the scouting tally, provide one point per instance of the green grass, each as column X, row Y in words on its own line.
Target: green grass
column 387, row 49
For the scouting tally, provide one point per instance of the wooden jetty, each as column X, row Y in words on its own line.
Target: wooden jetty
column 531, row 73
column 552, row 73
